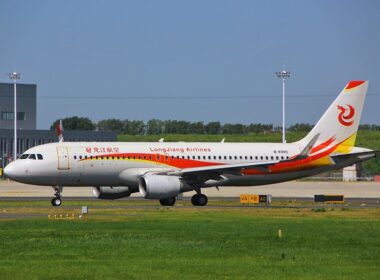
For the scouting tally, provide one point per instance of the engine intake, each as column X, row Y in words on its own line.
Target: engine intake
column 111, row 192
column 160, row 186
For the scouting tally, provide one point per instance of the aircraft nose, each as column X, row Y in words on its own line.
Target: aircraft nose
column 9, row 171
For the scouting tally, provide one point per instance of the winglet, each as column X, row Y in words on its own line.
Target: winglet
column 307, row 150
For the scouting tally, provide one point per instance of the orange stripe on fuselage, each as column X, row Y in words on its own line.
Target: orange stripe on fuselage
column 285, row 166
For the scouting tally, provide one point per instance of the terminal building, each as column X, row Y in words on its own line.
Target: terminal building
column 27, row 134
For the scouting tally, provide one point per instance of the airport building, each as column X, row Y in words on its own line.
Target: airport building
column 27, row 134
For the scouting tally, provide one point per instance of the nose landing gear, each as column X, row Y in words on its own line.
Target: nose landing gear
column 57, row 201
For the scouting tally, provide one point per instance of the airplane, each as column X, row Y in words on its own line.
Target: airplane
column 163, row 170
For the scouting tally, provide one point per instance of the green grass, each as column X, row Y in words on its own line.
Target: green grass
column 192, row 243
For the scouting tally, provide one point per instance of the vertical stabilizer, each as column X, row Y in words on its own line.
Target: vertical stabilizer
column 340, row 123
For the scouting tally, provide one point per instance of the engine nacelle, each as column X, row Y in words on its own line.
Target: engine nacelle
column 111, row 192
column 160, row 186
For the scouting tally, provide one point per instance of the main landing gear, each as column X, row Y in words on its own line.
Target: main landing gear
column 199, row 199
column 56, row 201
column 168, row 201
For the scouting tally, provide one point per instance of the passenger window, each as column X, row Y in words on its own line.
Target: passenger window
column 75, row 157
column 266, row 157
column 235, row 157
column 225, row 157
column 193, row 157
column 214, row 157
column 199, row 157
column 85, row 157
column 256, row 157
column 80, row 157
column 32, row 156
column 204, row 157
column 220, row 157
column 277, row 157
column 261, row 157
column 271, row 157
column 209, row 157
column 246, row 157
column 230, row 157
column 158, row 157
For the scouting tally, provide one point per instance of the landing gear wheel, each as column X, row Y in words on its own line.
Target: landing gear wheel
column 56, row 201
column 167, row 201
column 199, row 200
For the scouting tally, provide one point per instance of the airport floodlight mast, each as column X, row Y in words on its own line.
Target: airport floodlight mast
column 14, row 76
column 283, row 75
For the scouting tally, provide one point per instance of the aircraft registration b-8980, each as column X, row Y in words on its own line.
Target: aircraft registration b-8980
column 163, row 170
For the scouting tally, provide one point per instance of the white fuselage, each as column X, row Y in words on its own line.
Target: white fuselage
column 101, row 163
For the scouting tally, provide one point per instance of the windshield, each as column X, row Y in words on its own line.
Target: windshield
column 24, row 156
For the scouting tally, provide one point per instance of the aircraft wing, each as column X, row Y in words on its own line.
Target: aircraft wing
column 220, row 169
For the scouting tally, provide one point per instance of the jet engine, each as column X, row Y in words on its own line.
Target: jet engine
column 160, row 186
column 111, row 192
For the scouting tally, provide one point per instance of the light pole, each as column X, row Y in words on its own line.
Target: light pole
column 14, row 76
column 283, row 75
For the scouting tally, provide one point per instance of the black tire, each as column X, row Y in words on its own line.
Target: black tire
column 202, row 200
column 194, row 200
column 56, row 202
column 168, row 201
column 199, row 200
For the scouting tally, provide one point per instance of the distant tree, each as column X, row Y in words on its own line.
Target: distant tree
column 134, row 127
column 259, row 128
column 75, row 123
column 155, row 127
column 372, row 127
column 213, row 128
column 110, row 125
column 229, row 128
column 196, row 128
column 300, row 127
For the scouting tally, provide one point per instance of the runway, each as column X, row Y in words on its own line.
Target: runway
column 292, row 189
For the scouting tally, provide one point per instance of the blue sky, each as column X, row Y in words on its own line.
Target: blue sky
column 89, row 57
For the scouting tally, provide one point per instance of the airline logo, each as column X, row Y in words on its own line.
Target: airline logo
column 346, row 115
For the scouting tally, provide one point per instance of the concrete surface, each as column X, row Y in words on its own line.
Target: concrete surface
column 287, row 189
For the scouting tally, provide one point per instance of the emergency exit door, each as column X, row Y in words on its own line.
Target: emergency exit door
column 63, row 158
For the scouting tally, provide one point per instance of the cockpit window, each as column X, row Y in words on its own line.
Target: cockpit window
column 39, row 156
column 32, row 156
column 24, row 156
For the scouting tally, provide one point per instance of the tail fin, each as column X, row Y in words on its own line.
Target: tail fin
column 339, row 124
column 59, row 131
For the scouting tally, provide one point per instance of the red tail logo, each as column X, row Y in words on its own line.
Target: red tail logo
column 346, row 119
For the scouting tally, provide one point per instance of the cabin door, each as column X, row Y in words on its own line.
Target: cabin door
column 63, row 158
